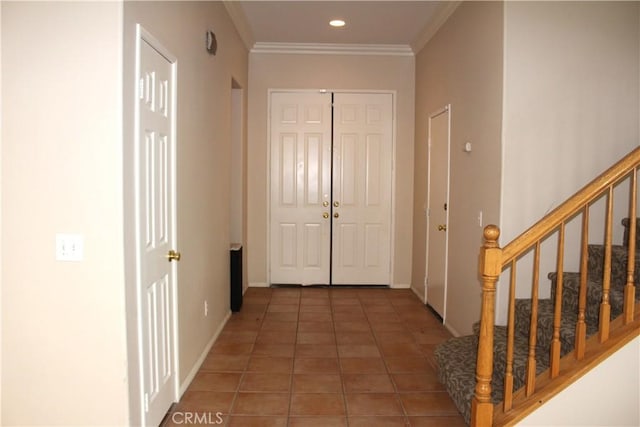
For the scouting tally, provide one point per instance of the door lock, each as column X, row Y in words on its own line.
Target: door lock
column 325, row 203
column 173, row 255
column 336, row 204
column 442, row 227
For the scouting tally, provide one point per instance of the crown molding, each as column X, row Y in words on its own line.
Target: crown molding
column 239, row 19
column 333, row 49
column 445, row 10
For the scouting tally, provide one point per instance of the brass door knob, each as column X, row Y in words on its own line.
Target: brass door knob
column 442, row 227
column 336, row 215
column 173, row 255
column 336, row 204
column 325, row 203
column 325, row 215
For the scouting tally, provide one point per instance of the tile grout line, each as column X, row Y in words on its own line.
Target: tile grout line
column 246, row 366
column 404, row 409
column 342, row 382
column 293, row 362
column 386, row 365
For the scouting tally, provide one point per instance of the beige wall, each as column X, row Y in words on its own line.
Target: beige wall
column 331, row 72
column 64, row 357
column 203, row 165
column 462, row 66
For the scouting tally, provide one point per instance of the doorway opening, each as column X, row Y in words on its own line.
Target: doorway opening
column 236, row 214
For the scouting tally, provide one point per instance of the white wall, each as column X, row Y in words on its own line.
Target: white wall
column 462, row 66
column 571, row 106
column 607, row 396
column 64, row 357
column 331, row 72
column 203, row 167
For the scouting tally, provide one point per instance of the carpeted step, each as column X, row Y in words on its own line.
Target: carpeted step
column 571, row 290
column 520, row 359
column 619, row 261
column 456, row 359
column 625, row 224
column 544, row 334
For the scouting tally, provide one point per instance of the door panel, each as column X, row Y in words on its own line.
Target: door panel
column 362, row 181
column 438, row 208
column 155, row 199
column 300, row 185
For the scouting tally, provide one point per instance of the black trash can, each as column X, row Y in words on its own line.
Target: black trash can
column 236, row 276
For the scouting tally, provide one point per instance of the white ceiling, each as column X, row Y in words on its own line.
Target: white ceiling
column 407, row 23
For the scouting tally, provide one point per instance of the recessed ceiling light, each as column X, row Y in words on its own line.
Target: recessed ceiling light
column 337, row 23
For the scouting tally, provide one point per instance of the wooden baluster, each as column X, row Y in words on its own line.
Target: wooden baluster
column 557, row 312
column 530, row 384
column 630, row 289
column 581, row 325
column 511, row 326
column 490, row 269
column 605, row 306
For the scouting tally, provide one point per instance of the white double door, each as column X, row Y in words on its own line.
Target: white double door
column 330, row 190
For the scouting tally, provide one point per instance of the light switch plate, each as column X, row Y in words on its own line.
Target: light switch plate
column 69, row 247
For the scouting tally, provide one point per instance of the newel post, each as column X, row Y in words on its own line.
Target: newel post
column 490, row 269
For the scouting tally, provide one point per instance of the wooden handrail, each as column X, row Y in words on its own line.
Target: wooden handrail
column 570, row 207
column 493, row 260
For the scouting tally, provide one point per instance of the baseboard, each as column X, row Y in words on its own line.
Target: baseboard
column 400, row 286
column 392, row 286
column 417, row 293
column 258, row 285
column 452, row 330
column 200, row 361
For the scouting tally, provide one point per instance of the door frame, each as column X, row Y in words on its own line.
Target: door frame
column 143, row 35
column 438, row 112
column 393, row 94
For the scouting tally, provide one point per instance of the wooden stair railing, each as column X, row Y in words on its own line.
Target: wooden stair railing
column 494, row 260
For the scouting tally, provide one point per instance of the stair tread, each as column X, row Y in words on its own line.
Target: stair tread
column 456, row 358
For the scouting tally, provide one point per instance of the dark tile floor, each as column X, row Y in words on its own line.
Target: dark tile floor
column 322, row 357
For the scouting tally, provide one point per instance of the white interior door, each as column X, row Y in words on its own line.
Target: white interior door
column 438, row 211
column 300, row 187
column 362, row 183
column 155, row 194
